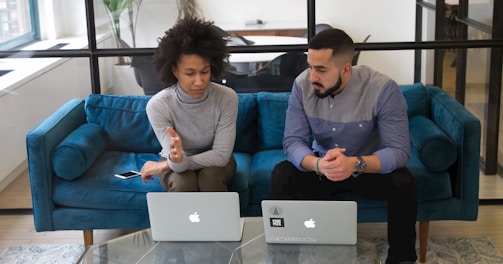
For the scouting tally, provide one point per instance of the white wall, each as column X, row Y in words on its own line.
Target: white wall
column 477, row 65
column 23, row 107
column 238, row 11
column 62, row 18
column 427, row 58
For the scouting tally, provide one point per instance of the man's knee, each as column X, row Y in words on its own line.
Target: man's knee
column 404, row 182
column 281, row 181
column 282, row 170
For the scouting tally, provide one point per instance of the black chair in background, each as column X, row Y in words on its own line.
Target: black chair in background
column 146, row 75
column 357, row 53
column 144, row 72
column 276, row 76
column 318, row 29
column 233, row 40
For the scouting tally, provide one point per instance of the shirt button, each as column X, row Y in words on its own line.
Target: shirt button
column 333, row 129
column 336, row 145
column 331, row 105
column 360, row 125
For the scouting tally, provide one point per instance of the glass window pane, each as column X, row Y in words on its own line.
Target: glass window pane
column 255, row 72
column 152, row 18
column 257, row 18
column 125, row 79
column 359, row 18
column 500, row 138
column 481, row 11
column 14, row 18
column 16, row 25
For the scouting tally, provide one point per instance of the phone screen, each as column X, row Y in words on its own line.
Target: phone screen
column 128, row 174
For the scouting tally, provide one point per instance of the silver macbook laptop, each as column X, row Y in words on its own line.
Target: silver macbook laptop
column 195, row 216
column 309, row 222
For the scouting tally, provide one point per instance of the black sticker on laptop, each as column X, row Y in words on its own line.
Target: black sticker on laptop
column 277, row 222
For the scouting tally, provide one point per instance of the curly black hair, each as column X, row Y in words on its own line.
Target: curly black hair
column 188, row 37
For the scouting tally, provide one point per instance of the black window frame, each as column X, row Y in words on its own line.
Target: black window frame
column 488, row 164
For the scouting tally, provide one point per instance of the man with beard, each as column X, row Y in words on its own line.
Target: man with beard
column 346, row 130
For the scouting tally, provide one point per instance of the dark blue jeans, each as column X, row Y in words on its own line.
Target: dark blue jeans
column 397, row 187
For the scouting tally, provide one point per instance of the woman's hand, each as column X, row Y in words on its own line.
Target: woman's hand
column 175, row 146
column 151, row 168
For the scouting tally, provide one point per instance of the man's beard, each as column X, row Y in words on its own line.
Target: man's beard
column 330, row 90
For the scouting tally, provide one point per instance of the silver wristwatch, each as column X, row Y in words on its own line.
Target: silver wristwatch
column 360, row 166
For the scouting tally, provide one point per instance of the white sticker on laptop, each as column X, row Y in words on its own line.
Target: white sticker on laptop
column 277, row 222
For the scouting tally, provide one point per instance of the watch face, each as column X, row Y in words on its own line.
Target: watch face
column 360, row 165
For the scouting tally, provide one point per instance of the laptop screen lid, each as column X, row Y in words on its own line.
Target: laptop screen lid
column 310, row 222
column 194, row 216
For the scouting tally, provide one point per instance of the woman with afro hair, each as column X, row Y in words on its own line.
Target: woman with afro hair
column 194, row 119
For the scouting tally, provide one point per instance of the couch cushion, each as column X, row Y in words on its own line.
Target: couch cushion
column 262, row 164
column 434, row 148
column 78, row 151
column 124, row 119
column 241, row 181
column 271, row 118
column 431, row 186
column 246, row 125
column 97, row 188
column 418, row 101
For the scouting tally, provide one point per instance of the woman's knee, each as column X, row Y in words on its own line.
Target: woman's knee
column 212, row 179
column 183, row 182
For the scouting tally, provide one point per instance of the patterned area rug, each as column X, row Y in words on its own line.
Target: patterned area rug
column 42, row 254
column 450, row 250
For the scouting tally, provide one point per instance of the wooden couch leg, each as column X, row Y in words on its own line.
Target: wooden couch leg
column 424, row 228
column 88, row 238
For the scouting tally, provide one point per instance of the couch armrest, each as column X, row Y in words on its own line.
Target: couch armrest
column 464, row 129
column 41, row 142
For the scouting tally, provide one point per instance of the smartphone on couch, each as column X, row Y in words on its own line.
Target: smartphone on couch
column 127, row 174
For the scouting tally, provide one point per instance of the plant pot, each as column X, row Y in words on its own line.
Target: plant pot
column 124, row 81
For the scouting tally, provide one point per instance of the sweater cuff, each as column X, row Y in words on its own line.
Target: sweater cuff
column 181, row 166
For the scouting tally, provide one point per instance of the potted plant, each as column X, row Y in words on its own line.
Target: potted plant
column 144, row 72
column 187, row 8
column 133, row 11
column 115, row 9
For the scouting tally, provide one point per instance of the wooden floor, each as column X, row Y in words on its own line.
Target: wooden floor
column 17, row 228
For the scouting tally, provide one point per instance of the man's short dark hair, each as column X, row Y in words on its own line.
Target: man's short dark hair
column 335, row 39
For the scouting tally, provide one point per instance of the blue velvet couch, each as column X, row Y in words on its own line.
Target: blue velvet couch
column 73, row 154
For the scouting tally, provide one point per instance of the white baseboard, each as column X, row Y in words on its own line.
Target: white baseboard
column 13, row 175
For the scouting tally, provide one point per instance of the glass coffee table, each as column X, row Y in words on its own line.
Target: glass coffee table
column 138, row 247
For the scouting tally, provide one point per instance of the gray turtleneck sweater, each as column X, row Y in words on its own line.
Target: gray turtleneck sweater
column 207, row 126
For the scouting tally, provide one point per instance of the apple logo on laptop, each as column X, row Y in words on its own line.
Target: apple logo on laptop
column 310, row 223
column 194, row 218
